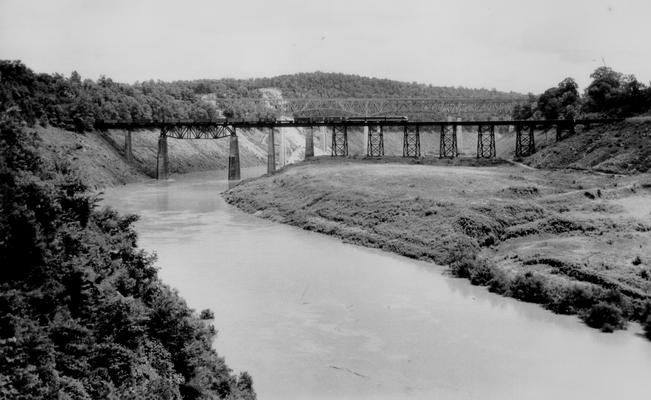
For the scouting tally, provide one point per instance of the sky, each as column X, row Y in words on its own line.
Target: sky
column 519, row 45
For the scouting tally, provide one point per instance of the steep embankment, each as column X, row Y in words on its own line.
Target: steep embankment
column 572, row 241
column 623, row 148
column 99, row 157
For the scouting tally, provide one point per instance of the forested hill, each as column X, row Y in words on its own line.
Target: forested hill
column 326, row 84
column 75, row 103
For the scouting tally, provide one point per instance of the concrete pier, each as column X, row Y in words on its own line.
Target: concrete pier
column 309, row 143
column 365, row 136
column 283, row 147
column 162, row 158
column 271, row 152
column 128, row 153
column 234, row 159
column 459, row 134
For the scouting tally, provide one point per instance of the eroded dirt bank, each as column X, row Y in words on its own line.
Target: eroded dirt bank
column 575, row 242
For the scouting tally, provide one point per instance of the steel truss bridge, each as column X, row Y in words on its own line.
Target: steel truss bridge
column 413, row 108
column 373, row 128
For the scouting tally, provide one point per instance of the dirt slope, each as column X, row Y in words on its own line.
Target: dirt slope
column 623, row 147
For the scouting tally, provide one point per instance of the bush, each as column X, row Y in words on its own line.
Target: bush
column 529, row 287
column 605, row 316
column 647, row 327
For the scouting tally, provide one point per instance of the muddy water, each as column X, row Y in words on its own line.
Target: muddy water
column 311, row 317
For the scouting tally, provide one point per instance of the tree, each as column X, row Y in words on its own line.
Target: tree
column 560, row 102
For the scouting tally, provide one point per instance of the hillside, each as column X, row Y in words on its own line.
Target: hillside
column 325, row 84
column 623, row 147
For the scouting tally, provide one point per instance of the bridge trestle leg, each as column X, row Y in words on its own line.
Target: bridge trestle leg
column 162, row 157
column 375, row 143
column 309, row 143
column 486, row 141
column 524, row 140
column 411, row 142
column 234, row 159
column 128, row 149
column 448, row 141
column 271, row 152
column 339, row 141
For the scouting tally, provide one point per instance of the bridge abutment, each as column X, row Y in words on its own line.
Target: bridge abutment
column 234, row 159
column 309, row 143
column 162, row 158
column 271, row 152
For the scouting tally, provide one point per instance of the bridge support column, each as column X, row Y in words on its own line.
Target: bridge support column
column 365, row 136
column 271, row 152
column 128, row 153
column 375, row 141
column 524, row 140
column 339, row 141
column 283, row 147
column 448, row 141
column 162, row 158
column 234, row 159
column 486, row 141
column 459, row 133
column 324, row 137
column 309, row 143
column 411, row 142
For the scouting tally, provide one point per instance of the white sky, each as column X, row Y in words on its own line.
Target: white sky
column 521, row 45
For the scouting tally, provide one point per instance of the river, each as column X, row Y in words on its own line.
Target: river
column 313, row 318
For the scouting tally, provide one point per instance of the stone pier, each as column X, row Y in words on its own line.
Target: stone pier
column 128, row 153
column 234, row 159
column 162, row 158
column 309, row 143
column 271, row 153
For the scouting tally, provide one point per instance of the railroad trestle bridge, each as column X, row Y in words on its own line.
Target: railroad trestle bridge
column 339, row 128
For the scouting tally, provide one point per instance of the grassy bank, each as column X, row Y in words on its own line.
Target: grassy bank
column 577, row 243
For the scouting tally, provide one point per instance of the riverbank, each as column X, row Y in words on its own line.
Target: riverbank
column 575, row 242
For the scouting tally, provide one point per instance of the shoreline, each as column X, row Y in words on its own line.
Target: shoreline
column 499, row 226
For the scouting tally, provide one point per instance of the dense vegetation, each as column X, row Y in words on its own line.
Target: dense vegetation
column 324, row 84
column 73, row 103
column 83, row 314
column 610, row 94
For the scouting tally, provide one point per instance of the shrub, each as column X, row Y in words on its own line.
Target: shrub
column 482, row 273
column 529, row 287
column 605, row 316
column 207, row 314
column 572, row 299
column 647, row 327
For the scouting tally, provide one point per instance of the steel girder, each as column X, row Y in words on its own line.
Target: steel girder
column 524, row 140
column 375, row 146
column 339, row 141
column 448, row 141
column 486, row 141
column 411, row 142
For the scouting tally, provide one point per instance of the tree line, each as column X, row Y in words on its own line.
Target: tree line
column 611, row 94
column 75, row 103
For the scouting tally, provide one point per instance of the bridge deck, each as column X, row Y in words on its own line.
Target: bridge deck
column 339, row 122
